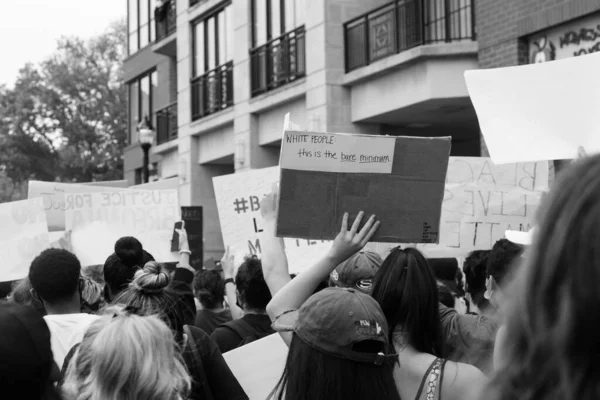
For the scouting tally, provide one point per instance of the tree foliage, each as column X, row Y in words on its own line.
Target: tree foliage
column 66, row 119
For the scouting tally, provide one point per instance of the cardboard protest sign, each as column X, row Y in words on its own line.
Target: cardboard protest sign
column 98, row 220
column 23, row 236
column 399, row 179
column 542, row 111
column 258, row 366
column 238, row 202
column 192, row 216
column 53, row 194
column 482, row 201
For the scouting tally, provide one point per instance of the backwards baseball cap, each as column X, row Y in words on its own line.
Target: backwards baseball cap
column 357, row 272
column 521, row 238
column 26, row 360
column 336, row 320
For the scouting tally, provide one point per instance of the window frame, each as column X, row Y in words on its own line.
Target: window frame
column 150, row 74
column 203, row 22
column 269, row 21
column 151, row 33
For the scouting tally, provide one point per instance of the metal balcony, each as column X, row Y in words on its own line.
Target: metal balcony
column 166, row 124
column 213, row 91
column 278, row 62
column 404, row 24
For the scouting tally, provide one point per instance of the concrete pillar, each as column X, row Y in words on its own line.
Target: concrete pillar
column 327, row 101
column 196, row 189
column 248, row 153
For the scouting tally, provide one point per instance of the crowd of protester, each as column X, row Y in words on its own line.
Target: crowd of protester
column 516, row 321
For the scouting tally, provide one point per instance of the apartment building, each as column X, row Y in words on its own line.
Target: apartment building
column 517, row 32
column 216, row 78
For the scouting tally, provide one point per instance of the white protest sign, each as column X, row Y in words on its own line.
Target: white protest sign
column 23, row 236
column 310, row 151
column 258, row 366
column 542, row 111
column 482, row 201
column 53, row 194
column 238, row 202
column 98, row 220
column 163, row 184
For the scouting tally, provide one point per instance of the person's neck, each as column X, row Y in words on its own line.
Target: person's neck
column 63, row 308
column 401, row 341
column 214, row 310
column 254, row 311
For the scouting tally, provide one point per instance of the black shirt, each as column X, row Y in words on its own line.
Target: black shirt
column 208, row 320
column 228, row 339
column 223, row 384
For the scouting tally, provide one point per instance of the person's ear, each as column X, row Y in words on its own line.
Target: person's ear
column 489, row 282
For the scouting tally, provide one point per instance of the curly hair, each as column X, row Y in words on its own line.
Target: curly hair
column 251, row 284
column 54, row 275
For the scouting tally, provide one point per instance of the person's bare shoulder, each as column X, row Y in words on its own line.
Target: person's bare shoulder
column 462, row 381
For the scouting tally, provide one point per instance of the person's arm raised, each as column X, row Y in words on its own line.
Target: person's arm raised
column 346, row 244
column 228, row 264
column 274, row 261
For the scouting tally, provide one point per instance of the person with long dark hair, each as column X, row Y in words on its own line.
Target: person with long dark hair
column 552, row 324
column 406, row 290
column 338, row 348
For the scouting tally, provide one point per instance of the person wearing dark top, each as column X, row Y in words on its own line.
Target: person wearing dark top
column 253, row 295
column 211, row 377
column 209, row 288
column 27, row 367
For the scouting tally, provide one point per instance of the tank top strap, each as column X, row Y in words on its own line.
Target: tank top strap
column 432, row 380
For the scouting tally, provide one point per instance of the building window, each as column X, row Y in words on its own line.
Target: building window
column 140, row 23
column 273, row 18
column 141, row 102
column 278, row 53
column 212, row 69
column 213, row 41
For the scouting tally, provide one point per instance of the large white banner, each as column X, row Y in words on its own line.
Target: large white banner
column 238, row 202
column 53, row 194
column 23, row 236
column 482, row 201
column 98, row 220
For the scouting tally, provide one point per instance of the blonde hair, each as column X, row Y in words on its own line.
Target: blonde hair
column 153, row 278
column 127, row 357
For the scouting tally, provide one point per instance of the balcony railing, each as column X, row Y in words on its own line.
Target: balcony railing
column 404, row 24
column 212, row 91
column 278, row 62
column 166, row 19
column 166, row 123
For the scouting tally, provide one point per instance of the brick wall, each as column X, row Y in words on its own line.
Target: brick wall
column 502, row 25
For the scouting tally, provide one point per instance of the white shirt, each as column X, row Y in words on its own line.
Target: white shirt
column 67, row 330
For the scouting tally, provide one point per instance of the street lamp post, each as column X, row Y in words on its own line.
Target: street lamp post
column 146, row 137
